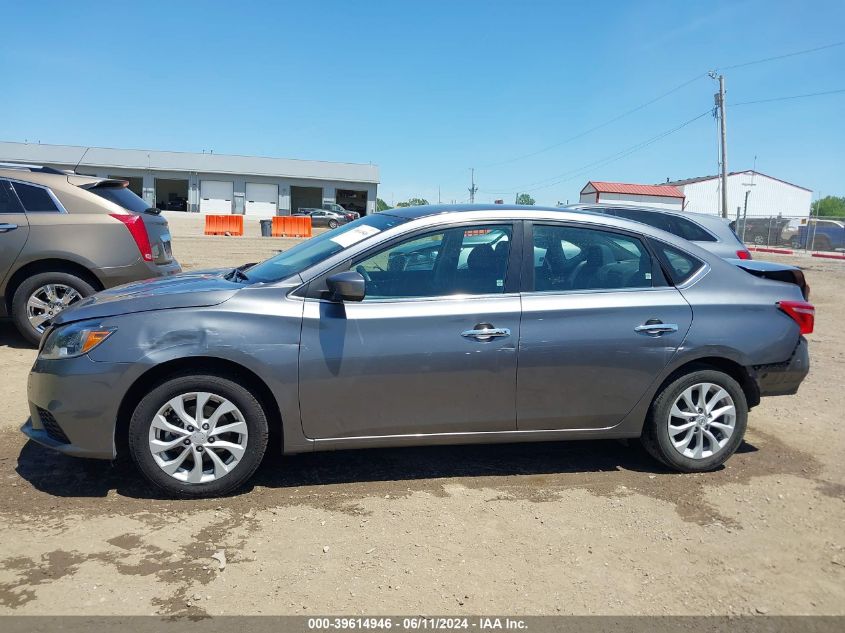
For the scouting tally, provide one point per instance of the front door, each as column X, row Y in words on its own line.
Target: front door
column 14, row 228
column 432, row 347
column 597, row 329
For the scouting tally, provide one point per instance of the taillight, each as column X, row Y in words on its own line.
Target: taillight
column 138, row 230
column 803, row 313
column 743, row 254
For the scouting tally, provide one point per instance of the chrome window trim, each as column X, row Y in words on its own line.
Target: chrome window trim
column 459, row 297
column 58, row 203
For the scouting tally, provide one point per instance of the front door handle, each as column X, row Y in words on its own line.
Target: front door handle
column 5, row 228
column 653, row 327
column 486, row 332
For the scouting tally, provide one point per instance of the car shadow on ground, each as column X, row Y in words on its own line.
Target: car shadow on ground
column 10, row 337
column 63, row 476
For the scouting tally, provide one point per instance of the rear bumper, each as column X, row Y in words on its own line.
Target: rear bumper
column 140, row 270
column 783, row 379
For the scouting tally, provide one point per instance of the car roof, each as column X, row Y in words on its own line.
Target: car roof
column 412, row 213
column 715, row 223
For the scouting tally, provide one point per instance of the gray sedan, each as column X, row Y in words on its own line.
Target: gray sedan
column 424, row 325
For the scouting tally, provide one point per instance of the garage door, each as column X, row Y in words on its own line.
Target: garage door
column 216, row 196
column 261, row 199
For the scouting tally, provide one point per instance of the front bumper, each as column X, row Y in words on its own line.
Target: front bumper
column 73, row 405
column 783, row 379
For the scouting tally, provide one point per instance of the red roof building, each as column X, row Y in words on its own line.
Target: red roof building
column 659, row 196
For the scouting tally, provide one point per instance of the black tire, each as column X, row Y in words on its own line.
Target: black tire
column 822, row 243
column 30, row 286
column 145, row 411
column 795, row 243
column 332, row 224
column 655, row 437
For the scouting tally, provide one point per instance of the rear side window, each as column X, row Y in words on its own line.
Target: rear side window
column 681, row 266
column 123, row 197
column 657, row 220
column 35, row 199
column 8, row 200
column 690, row 230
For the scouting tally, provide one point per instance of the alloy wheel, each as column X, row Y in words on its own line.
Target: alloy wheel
column 198, row 437
column 702, row 420
column 47, row 301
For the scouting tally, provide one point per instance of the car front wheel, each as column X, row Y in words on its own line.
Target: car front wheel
column 332, row 224
column 198, row 435
column 697, row 421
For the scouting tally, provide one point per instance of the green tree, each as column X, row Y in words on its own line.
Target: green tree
column 381, row 205
column 830, row 206
column 525, row 198
column 413, row 202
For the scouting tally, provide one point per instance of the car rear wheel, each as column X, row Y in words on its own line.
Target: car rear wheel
column 41, row 297
column 198, row 436
column 697, row 421
column 332, row 224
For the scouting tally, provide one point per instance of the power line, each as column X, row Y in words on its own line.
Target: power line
column 600, row 125
column 809, row 94
column 574, row 173
column 775, row 57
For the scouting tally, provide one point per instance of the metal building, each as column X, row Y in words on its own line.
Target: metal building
column 767, row 196
column 214, row 183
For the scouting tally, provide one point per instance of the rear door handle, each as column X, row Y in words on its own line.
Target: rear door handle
column 656, row 329
column 486, row 333
column 5, row 228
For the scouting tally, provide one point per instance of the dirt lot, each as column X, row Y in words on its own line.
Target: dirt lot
column 583, row 527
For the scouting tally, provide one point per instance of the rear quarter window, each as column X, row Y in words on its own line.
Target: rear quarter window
column 679, row 265
column 35, row 199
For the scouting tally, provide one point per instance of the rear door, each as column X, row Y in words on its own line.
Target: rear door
column 14, row 229
column 599, row 323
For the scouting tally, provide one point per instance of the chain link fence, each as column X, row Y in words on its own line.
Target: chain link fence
column 795, row 233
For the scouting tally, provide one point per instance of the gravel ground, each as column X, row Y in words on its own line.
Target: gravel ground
column 581, row 527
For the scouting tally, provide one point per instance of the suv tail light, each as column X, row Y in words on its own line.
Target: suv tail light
column 743, row 254
column 803, row 313
column 138, row 230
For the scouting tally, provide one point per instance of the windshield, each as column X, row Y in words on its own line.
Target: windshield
column 121, row 196
column 323, row 246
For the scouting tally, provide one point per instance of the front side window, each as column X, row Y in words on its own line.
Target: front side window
column 569, row 258
column 457, row 261
column 8, row 200
column 35, row 199
column 313, row 251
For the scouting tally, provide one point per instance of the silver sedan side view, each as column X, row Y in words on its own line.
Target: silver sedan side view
column 426, row 325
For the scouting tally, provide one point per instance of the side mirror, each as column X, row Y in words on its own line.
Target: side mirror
column 347, row 286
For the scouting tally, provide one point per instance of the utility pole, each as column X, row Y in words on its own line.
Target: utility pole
column 472, row 188
column 720, row 103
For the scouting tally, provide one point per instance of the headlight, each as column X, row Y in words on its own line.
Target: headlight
column 74, row 340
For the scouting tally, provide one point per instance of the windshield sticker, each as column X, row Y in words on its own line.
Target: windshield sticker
column 355, row 235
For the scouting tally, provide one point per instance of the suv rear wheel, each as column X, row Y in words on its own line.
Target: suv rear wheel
column 696, row 422
column 41, row 297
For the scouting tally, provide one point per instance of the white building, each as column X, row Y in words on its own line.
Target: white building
column 214, row 183
column 658, row 196
column 768, row 196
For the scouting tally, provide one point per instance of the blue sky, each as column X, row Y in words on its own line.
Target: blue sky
column 428, row 89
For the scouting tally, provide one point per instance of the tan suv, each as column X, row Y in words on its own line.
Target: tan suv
column 64, row 236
